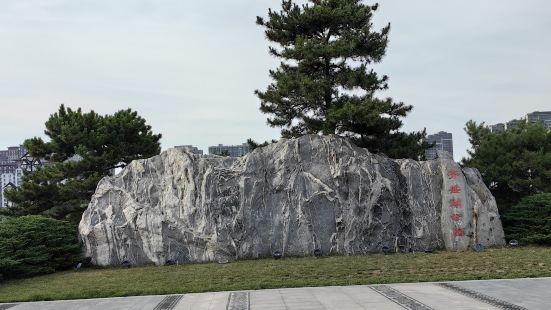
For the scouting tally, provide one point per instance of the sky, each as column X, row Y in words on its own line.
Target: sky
column 190, row 68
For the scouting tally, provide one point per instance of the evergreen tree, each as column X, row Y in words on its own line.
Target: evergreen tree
column 529, row 221
column 32, row 245
column 515, row 163
column 83, row 148
column 324, row 83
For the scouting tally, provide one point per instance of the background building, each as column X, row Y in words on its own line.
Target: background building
column 534, row 117
column 443, row 141
column 9, row 180
column 543, row 117
column 512, row 124
column 230, row 150
column 190, row 148
column 10, row 172
column 497, row 128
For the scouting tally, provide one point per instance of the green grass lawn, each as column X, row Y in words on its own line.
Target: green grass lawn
column 289, row 272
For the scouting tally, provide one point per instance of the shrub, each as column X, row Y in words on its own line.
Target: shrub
column 530, row 220
column 31, row 245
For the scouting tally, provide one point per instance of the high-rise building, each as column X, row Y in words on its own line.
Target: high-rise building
column 230, row 150
column 9, row 158
column 443, row 141
column 10, row 172
column 189, row 148
column 9, row 180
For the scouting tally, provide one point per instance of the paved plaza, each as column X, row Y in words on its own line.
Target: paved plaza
column 493, row 294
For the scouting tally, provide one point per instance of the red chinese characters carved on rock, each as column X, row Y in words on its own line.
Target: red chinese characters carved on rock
column 453, row 174
column 459, row 232
column 456, row 203
column 456, row 217
column 455, row 189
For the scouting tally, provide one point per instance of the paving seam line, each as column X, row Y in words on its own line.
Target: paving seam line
column 239, row 301
column 501, row 304
column 169, row 302
column 400, row 298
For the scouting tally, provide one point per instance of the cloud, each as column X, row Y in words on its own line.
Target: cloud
column 190, row 67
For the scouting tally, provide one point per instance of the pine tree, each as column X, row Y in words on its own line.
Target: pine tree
column 83, row 148
column 515, row 163
column 324, row 84
column 529, row 221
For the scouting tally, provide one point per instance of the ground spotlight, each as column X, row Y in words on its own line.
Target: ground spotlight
column 277, row 255
column 317, row 253
column 478, row 247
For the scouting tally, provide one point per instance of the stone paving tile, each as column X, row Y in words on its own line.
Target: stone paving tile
column 498, row 303
column 438, row 297
column 204, row 301
column 267, row 299
column 300, row 299
column 528, row 293
column 338, row 298
column 368, row 298
column 122, row 303
column 335, row 298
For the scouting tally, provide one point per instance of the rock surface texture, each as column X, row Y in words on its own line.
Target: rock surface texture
column 295, row 196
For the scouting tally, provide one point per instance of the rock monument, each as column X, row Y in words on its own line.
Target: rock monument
column 296, row 196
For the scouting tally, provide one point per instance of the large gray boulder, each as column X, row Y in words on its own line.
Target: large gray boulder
column 294, row 196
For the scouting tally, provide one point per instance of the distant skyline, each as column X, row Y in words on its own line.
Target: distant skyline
column 191, row 67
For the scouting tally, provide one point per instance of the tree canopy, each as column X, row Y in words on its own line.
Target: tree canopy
column 83, row 148
column 515, row 163
column 325, row 83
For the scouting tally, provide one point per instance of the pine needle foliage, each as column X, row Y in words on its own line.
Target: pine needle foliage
column 84, row 147
column 325, row 83
column 529, row 221
column 515, row 163
column 32, row 245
